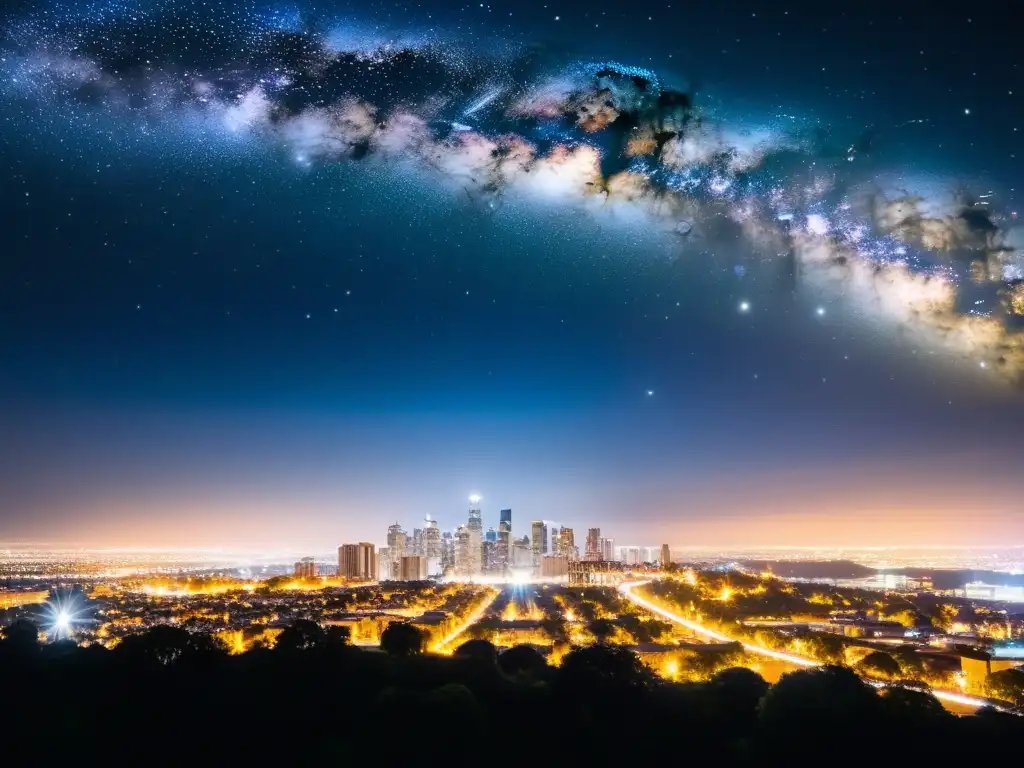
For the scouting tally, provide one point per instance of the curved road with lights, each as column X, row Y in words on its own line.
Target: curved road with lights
column 627, row 591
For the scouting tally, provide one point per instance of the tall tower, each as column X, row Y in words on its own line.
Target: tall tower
column 666, row 556
column 475, row 529
column 593, row 551
column 503, row 550
column 539, row 540
column 396, row 545
column 432, row 546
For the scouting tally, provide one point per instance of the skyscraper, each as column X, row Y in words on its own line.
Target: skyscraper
column 433, row 547
column 539, row 540
column 463, row 563
column 607, row 549
column 566, row 544
column 412, row 568
column 357, row 561
column 666, row 556
column 503, row 551
column 305, row 568
column 447, row 551
column 475, row 527
column 593, row 551
column 396, row 546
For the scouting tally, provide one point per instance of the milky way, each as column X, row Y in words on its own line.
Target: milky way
column 600, row 137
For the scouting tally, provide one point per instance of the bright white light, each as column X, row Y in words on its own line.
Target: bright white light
column 62, row 623
column 817, row 225
column 650, row 392
column 744, row 306
column 475, row 499
column 820, row 311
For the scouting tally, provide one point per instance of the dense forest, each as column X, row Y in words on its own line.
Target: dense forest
column 168, row 695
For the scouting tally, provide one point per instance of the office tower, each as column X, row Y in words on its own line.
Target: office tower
column 433, row 547
column 522, row 556
column 305, row 568
column 630, row 555
column 412, row 568
column 475, row 527
column 397, row 546
column 487, row 550
column 607, row 548
column 593, row 551
column 539, row 542
column 447, row 551
column 417, row 542
column 463, row 563
column 386, row 569
column 566, row 544
column 357, row 561
column 503, row 552
column 666, row 556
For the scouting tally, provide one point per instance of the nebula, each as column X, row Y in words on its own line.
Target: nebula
column 599, row 135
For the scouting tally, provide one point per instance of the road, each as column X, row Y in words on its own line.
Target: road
column 628, row 591
column 444, row 646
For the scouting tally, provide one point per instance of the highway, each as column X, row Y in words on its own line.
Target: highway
column 444, row 646
column 627, row 590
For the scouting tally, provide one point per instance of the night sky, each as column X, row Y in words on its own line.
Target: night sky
column 279, row 275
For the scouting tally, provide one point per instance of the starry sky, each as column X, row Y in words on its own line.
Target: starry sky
column 281, row 274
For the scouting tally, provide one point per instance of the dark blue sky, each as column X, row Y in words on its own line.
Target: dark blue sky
column 205, row 342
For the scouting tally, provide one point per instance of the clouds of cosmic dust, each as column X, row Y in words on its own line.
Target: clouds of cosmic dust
column 610, row 139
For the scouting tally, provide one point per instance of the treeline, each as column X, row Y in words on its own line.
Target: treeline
column 170, row 696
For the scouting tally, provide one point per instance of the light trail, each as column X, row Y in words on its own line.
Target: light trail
column 627, row 590
column 473, row 618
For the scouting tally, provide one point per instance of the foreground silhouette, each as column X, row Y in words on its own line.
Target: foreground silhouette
column 178, row 696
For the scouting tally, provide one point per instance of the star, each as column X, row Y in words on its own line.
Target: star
column 744, row 306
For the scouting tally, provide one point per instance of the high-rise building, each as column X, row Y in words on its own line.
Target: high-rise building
column 305, row 568
column 412, row 568
column 503, row 550
column 539, row 541
column 433, row 547
column 566, row 544
column 417, row 542
column 666, row 556
column 475, row 527
column 397, row 546
column 607, row 549
column 463, row 562
column 386, row 568
column 447, row 551
column 357, row 561
column 593, row 551
column 521, row 554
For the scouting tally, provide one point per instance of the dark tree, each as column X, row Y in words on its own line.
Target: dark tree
column 402, row 639
column 164, row 645
column 601, row 629
column 880, row 664
column 602, row 668
column 523, row 660
column 21, row 637
column 1008, row 685
column 302, row 635
column 480, row 650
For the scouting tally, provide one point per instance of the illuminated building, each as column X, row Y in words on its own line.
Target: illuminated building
column 607, row 548
column 554, row 566
column 540, row 541
column 432, row 540
column 386, row 569
column 447, row 550
column 565, row 545
column 631, row 555
column 593, row 550
column 305, row 568
column 522, row 557
column 417, row 541
column 503, row 548
column 463, row 563
column 357, row 561
column 666, row 556
column 488, row 555
column 412, row 568
column 475, row 527
column 396, row 545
